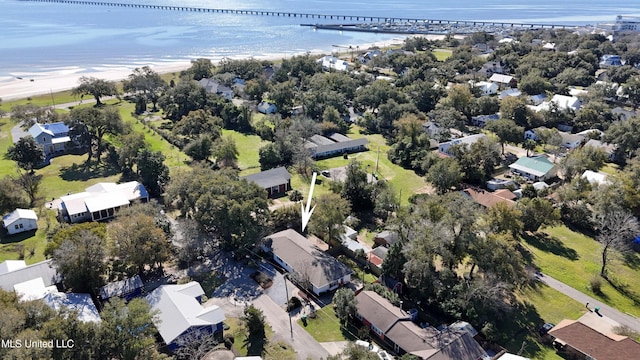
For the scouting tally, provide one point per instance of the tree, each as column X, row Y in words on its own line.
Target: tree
column 345, row 304
column 503, row 218
column 529, row 145
column 200, row 149
column 130, row 146
column 11, row 196
column 506, row 130
column 197, row 123
column 95, row 87
column 138, row 242
column 145, row 83
column 357, row 352
column 579, row 160
column 185, row 97
column 27, row 153
column 632, row 90
column 30, row 183
column 616, row 230
column 232, row 209
column 200, row 69
column 331, row 210
column 460, row 98
column 99, row 122
column 80, row 259
column 537, row 212
column 625, row 134
column 356, row 188
column 254, row 321
column 195, row 344
column 152, row 171
column 445, row 174
column 226, row 152
column 127, row 331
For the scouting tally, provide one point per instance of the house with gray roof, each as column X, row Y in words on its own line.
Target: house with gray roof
column 275, row 181
column 18, row 272
column 297, row 255
column 444, row 147
column 537, row 168
column 53, row 137
column 214, row 87
column 335, row 144
column 125, row 289
column 609, row 149
column 395, row 327
column 80, row 304
column 180, row 313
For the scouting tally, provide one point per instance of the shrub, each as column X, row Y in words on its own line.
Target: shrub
column 295, row 195
column 228, row 341
column 293, row 304
column 596, row 284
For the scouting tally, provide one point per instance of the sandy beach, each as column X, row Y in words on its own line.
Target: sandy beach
column 23, row 85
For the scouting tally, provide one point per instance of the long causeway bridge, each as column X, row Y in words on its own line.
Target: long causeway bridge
column 362, row 18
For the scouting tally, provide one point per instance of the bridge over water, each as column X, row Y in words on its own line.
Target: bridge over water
column 362, row 18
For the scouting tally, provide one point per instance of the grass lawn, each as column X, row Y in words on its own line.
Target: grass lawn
column 248, row 146
column 42, row 100
column 538, row 305
column 574, row 259
column 442, row 54
column 326, row 326
column 7, row 167
column 610, row 169
column 405, row 182
column 272, row 350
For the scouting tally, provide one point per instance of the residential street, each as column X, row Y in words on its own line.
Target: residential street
column 306, row 346
column 605, row 310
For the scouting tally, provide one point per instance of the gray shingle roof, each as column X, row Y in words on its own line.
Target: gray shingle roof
column 270, row 178
column 43, row 269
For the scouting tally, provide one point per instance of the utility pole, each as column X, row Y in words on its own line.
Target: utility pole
column 377, row 159
column 286, row 289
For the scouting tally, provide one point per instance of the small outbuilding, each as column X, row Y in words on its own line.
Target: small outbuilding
column 20, row 220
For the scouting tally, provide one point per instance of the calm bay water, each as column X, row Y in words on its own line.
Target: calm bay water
column 41, row 37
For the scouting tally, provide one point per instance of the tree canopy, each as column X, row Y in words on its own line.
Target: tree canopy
column 95, row 87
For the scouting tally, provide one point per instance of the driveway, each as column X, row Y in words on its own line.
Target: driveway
column 17, row 133
column 305, row 345
column 605, row 310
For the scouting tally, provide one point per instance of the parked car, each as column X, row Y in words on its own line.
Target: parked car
column 544, row 329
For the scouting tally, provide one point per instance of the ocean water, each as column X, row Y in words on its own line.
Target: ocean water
column 43, row 37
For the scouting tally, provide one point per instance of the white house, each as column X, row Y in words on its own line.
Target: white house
column 571, row 141
column 180, row 312
column 53, row 137
column 563, row 102
column 20, row 220
column 510, row 93
column 100, row 201
column 81, row 304
column 267, row 107
column 333, row 63
column 299, row 256
column 534, row 134
column 13, row 273
column 504, row 80
column 594, row 177
column 487, row 88
column 443, row 148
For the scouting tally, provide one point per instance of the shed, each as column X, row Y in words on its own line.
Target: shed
column 20, row 220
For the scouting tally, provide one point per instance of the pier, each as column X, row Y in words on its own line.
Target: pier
column 284, row 14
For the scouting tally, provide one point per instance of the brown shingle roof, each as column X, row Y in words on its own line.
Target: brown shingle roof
column 489, row 199
column 599, row 346
column 378, row 310
column 299, row 252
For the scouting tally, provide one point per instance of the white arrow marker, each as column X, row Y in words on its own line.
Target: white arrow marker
column 306, row 213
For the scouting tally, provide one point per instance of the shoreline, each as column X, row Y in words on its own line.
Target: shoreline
column 62, row 78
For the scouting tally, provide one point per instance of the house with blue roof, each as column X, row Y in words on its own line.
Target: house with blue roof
column 53, row 137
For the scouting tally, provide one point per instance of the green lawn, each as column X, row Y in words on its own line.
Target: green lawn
column 442, row 54
column 7, row 167
column 405, row 182
column 272, row 350
column 574, row 259
column 248, row 146
column 326, row 326
column 42, row 100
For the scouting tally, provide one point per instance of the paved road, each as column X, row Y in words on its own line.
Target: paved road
column 306, row 346
column 605, row 310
